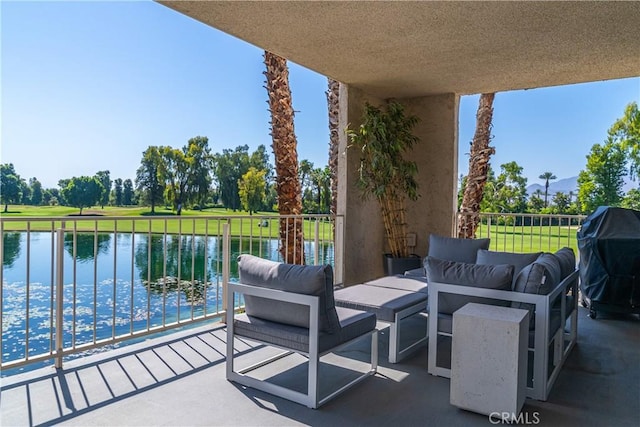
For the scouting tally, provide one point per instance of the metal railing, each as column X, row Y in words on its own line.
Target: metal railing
column 73, row 285
column 513, row 232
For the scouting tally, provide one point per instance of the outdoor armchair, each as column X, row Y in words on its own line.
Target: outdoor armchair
column 292, row 307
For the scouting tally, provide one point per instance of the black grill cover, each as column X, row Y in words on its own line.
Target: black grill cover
column 609, row 245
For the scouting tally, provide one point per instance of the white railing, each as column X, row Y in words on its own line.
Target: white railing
column 72, row 285
column 512, row 232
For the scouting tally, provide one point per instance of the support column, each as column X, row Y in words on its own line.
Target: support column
column 437, row 158
column 364, row 238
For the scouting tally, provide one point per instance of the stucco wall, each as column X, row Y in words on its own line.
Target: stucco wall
column 363, row 231
column 437, row 157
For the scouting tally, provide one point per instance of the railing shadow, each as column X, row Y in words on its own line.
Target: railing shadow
column 52, row 398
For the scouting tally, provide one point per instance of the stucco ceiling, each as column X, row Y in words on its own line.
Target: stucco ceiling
column 407, row 49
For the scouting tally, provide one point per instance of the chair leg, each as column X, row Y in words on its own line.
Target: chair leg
column 312, row 392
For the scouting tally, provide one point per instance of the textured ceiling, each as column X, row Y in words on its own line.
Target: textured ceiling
column 407, row 49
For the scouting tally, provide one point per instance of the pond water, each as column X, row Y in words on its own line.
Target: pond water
column 123, row 283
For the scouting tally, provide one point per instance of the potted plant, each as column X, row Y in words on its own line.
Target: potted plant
column 383, row 139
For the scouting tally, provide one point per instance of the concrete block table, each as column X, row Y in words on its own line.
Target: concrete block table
column 489, row 358
column 390, row 306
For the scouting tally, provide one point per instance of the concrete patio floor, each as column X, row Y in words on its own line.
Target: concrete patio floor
column 179, row 380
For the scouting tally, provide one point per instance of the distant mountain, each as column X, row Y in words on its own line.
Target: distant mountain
column 561, row 185
column 571, row 184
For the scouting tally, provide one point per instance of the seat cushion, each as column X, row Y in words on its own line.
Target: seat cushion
column 384, row 302
column 519, row 261
column 404, row 283
column 302, row 279
column 454, row 249
column 353, row 324
column 473, row 275
column 416, row 272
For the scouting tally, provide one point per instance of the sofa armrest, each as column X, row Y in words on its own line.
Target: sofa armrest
column 542, row 303
column 543, row 376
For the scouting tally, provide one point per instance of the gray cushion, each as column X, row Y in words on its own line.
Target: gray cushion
column 403, row 283
column 519, row 261
column 302, row 279
column 384, row 302
column 454, row 249
column 352, row 325
column 567, row 259
column 459, row 273
column 416, row 272
column 540, row 277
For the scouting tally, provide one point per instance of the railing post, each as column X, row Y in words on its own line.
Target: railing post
column 317, row 242
column 226, row 264
column 59, row 295
column 338, row 250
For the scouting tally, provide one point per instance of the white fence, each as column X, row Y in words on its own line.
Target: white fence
column 528, row 232
column 72, row 285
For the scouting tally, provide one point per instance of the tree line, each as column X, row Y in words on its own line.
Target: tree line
column 191, row 177
column 600, row 183
column 194, row 177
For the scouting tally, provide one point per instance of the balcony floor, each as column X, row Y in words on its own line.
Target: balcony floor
column 179, row 379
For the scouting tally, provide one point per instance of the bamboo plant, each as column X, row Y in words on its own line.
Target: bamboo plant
column 383, row 139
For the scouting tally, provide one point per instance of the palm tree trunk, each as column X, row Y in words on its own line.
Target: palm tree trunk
column 333, row 95
column 286, row 157
column 478, row 169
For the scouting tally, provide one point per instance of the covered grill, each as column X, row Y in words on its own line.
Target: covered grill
column 609, row 245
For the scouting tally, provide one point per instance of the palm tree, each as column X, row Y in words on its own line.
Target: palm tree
column 547, row 176
column 304, row 170
column 478, row 168
column 333, row 104
column 286, row 157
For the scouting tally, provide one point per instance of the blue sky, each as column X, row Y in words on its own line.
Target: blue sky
column 88, row 86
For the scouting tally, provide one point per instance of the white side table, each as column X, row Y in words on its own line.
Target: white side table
column 489, row 358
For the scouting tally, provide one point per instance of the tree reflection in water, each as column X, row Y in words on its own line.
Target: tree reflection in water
column 10, row 248
column 85, row 245
column 186, row 262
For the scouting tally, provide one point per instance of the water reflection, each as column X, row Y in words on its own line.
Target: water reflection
column 136, row 282
column 85, row 250
column 10, row 248
column 174, row 264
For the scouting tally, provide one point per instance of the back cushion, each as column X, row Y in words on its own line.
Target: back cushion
column 519, row 261
column 301, row 279
column 539, row 278
column 454, row 249
column 474, row 275
column 567, row 259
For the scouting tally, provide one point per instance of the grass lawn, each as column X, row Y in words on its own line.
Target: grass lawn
column 537, row 238
column 534, row 238
column 191, row 221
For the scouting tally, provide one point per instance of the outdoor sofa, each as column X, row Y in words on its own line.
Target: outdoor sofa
column 546, row 284
column 460, row 271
